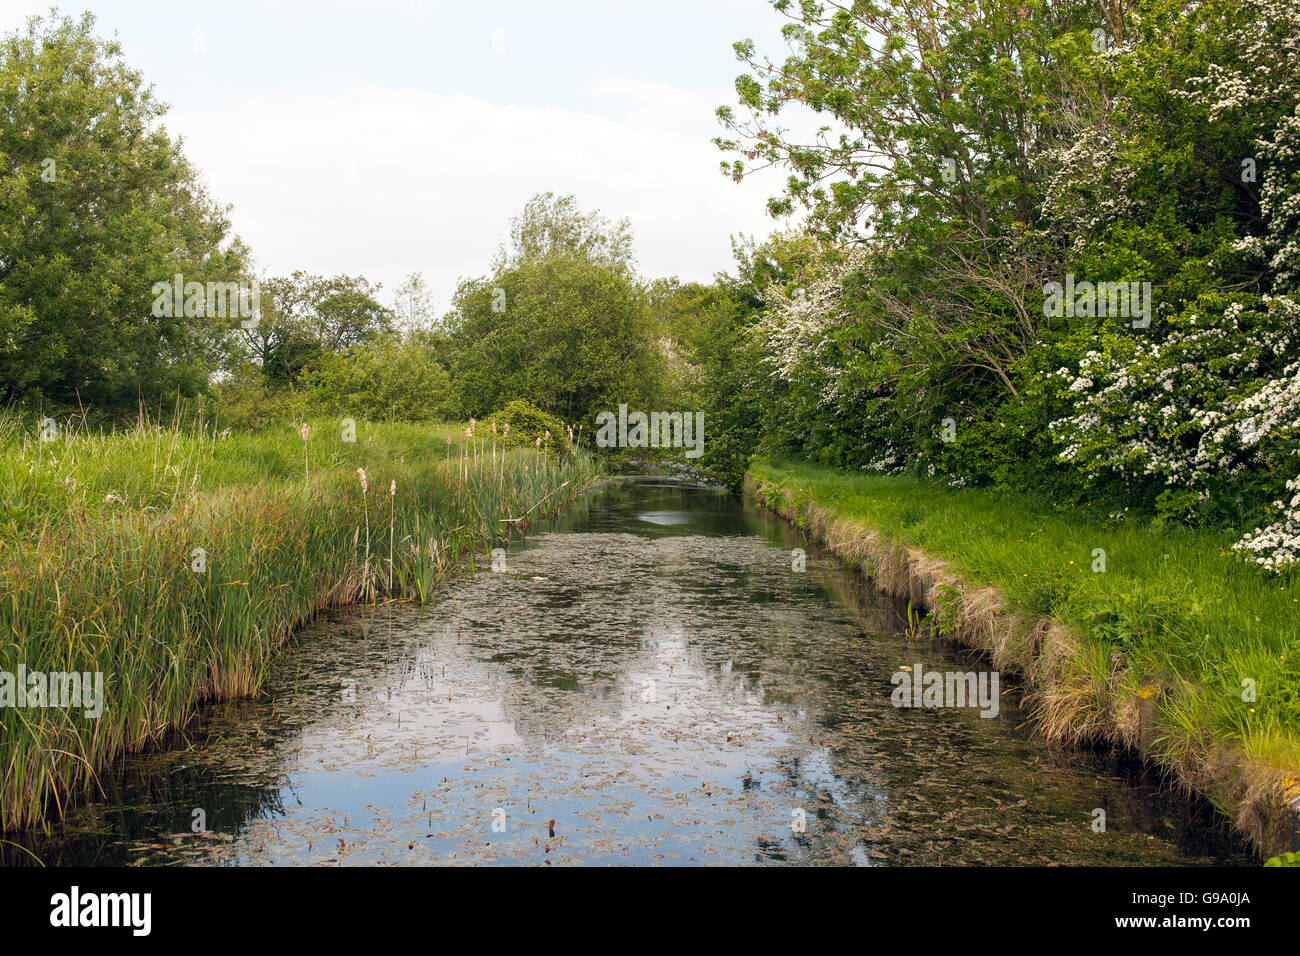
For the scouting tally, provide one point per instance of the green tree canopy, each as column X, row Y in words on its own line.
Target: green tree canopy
column 97, row 203
column 561, row 322
column 307, row 318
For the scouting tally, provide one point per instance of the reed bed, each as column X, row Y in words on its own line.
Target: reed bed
column 177, row 560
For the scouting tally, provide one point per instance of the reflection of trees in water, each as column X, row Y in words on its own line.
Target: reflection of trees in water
column 579, row 635
column 143, row 805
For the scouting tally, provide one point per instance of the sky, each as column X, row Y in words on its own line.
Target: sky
column 385, row 137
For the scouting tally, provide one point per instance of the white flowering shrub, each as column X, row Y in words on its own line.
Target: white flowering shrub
column 1276, row 547
column 1197, row 417
column 1263, row 72
column 1168, row 160
column 1206, row 421
column 797, row 327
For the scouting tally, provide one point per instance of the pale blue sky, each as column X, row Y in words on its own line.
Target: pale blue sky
column 390, row 136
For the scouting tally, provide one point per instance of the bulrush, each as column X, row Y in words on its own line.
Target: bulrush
column 182, row 592
column 365, row 571
column 304, row 430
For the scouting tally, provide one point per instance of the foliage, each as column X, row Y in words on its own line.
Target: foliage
column 305, row 319
column 972, row 155
column 97, row 204
column 522, row 423
column 561, row 322
column 177, row 560
column 392, row 378
column 1164, row 607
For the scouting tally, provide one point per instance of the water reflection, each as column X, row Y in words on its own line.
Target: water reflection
column 651, row 674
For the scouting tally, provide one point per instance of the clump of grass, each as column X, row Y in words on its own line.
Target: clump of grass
column 176, row 561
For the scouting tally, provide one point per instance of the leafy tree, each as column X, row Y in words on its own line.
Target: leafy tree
column 97, row 203
column 715, row 330
column 553, row 226
column 307, row 318
column 389, row 378
column 414, row 309
column 562, row 321
column 937, row 120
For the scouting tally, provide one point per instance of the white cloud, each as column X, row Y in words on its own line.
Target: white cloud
column 384, row 182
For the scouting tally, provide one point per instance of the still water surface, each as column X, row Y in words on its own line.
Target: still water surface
column 651, row 674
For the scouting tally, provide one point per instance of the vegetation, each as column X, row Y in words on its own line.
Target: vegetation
column 176, row 561
column 1165, row 616
column 918, row 326
column 522, row 423
column 1043, row 301
column 561, row 321
column 96, row 204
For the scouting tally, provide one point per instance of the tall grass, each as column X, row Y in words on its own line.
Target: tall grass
column 176, row 561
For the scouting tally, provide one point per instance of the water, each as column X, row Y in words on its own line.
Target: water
column 652, row 675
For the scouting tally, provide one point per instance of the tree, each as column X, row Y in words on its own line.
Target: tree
column 561, row 321
column 552, row 226
column 413, row 307
column 97, row 204
column 306, row 318
column 392, row 377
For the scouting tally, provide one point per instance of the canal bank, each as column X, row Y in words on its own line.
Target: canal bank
column 1095, row 672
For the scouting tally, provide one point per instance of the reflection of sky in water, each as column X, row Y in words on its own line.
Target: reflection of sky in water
column 655, row 678
column 666, row 518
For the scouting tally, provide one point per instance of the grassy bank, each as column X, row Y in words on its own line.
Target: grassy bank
column 176, row 561
column 1169, row 644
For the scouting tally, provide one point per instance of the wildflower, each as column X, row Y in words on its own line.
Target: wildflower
column 392, row 487
column 365, row 485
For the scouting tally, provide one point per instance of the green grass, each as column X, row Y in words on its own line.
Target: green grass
column 1173, row 609
column 98, row 539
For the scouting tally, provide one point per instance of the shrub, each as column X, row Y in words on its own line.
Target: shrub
column 390, row 378
column 528, row 423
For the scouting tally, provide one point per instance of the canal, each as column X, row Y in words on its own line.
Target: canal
column 656, row 677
